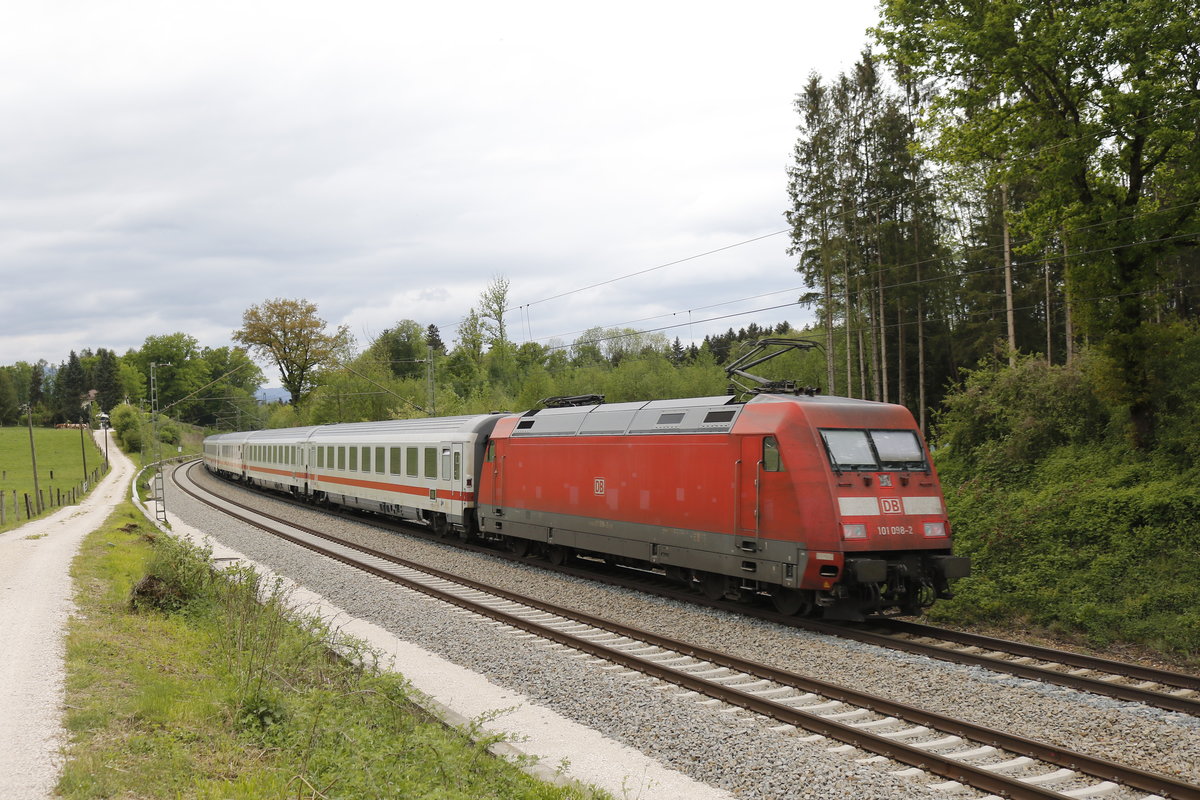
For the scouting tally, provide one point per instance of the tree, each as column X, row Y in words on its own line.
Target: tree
column 233, row 380
column 471, row 337
column 107, row 379
column 70, row 389
column 9, row 407
column 1094, row 104
column 178, row 383
column 290, row 334
column 37, row 385
column 493, row 307
column 404, row 348
column 433, row 338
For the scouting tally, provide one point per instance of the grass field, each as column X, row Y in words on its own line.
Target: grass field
column 59, row 462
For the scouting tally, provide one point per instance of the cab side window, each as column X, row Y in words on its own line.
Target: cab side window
column 772, row 460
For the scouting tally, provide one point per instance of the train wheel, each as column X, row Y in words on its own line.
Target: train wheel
column 558, row 555
column 713, row 586
column 793, row 602
column 519, row 547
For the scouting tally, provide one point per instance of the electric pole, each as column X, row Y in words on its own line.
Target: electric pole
column 37, row 492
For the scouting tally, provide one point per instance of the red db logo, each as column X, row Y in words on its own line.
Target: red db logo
column 891, row 505
column 598, row 485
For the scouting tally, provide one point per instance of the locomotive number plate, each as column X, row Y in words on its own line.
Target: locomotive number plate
column 895, row 530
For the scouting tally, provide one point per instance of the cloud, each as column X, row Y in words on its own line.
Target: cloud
column 164, row 167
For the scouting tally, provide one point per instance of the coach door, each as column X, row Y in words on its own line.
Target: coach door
column 456, row 474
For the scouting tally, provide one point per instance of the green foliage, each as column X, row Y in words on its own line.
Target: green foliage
column 283, row 415
column 9, row 404
column 1000, row 421
column 239, row 697
column 59, row 454
column 1096, row 542
column 178, row 576
column 1068, row 526
column 1089, row 107
column 129, row 427
column 168, row 433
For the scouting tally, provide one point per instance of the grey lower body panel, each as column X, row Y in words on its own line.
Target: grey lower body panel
column 754, row 558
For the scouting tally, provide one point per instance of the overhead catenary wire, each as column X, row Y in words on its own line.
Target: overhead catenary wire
column 858, row 210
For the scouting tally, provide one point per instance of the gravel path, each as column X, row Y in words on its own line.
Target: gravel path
column 726, row 750
column 35, row 603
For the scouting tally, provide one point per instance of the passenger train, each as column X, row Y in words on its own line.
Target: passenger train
column 826, row 505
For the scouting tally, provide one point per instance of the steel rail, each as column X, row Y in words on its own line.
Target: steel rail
column 979, row 777
column 1086, row 683
column 1165, row 677
column 1168, row 702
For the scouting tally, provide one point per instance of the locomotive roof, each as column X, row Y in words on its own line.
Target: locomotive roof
column 685, row 415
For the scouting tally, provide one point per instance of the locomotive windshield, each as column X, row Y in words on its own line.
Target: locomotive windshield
column 874, row 451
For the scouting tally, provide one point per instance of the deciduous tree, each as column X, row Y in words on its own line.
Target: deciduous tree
column 291, row 335
column 1094, row 103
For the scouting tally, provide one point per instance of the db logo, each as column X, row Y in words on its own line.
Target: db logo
column 598, row 485
column 891, row 505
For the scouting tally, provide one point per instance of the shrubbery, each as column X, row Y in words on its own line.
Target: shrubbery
column 1068, row 526
column 128, row 424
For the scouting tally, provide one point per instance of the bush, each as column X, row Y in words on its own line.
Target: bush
column 1000, row 421
column 178, row 576
column 128, row 425
column 168, row 433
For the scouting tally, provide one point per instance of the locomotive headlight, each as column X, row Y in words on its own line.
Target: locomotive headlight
column 935, row 529
column 854, row 531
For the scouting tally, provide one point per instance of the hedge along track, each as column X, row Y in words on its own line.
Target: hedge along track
column 1171, row 691
column 961, row 752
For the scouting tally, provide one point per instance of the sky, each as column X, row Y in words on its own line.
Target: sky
column 166, row 165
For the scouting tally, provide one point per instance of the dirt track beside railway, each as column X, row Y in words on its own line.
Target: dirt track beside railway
column 35, row 604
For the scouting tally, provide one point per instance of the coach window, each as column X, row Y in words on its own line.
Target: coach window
column 445, row 463
column 410, row 462
column 431, row 462
column 394, row 461
column 379, row 459
column 329, row 457
column 772, row 461
column 458, row 466
column 341, row 458
column 320, row 457
column 366, row 459
column 353, row 466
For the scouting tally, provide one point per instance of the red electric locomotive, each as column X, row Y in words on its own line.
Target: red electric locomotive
column 818, row 502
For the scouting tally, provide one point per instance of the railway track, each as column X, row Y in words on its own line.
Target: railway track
column 962, row 753
column 1164, row 689
column 1159, row 688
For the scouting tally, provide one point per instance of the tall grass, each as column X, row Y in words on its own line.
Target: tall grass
column 187, row 682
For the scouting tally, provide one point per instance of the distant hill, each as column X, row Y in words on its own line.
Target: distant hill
column 274, row 394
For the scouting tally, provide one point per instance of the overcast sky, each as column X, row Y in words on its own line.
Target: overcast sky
column 166, row 165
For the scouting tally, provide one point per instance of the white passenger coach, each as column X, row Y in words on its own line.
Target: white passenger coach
column 416, row 469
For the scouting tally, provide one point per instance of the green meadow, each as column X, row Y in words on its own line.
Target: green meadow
column 60, row 466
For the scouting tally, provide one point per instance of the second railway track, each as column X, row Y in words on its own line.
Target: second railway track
column 1159, row 688
column 989, row 760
